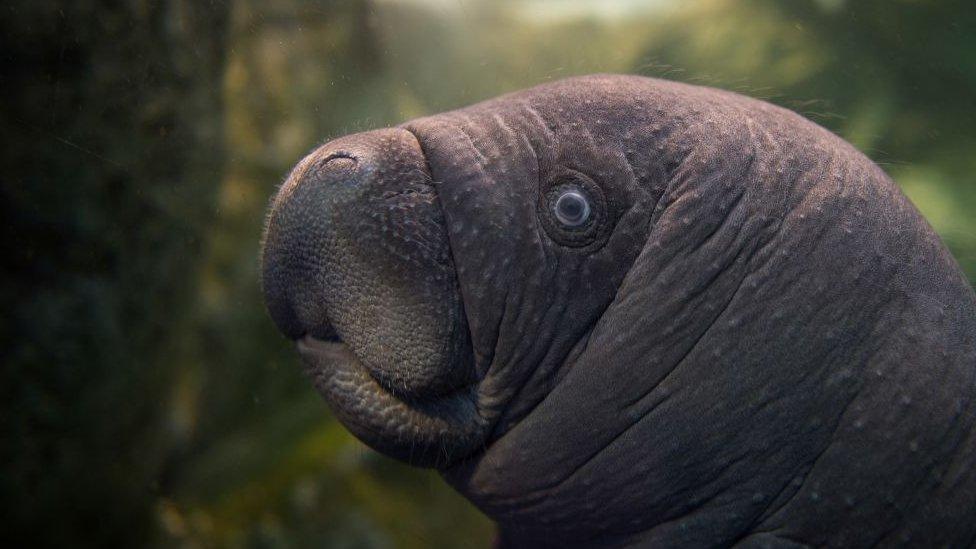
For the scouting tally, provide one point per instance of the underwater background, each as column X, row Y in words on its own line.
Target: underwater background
column 145, row 397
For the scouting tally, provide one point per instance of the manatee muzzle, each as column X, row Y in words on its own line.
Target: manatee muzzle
column 357, row 269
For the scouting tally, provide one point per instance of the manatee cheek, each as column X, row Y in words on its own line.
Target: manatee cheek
column 356, row 250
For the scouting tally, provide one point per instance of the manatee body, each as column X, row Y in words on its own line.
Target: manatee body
column 613, row 310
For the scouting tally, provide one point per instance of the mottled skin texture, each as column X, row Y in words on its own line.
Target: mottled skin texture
column 757, row 341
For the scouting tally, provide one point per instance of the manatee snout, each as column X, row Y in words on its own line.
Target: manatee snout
column 356, row 256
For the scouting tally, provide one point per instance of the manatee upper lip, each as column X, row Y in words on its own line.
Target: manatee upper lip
column 324, row 342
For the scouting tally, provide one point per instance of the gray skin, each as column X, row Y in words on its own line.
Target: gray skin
column 755, row 339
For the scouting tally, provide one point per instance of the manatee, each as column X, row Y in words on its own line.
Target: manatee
column 616, row 311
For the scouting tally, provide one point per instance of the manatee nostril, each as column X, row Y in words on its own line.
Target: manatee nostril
column 339, row 154
column 339, row 159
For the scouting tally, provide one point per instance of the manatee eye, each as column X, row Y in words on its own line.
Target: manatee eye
column 571, row 208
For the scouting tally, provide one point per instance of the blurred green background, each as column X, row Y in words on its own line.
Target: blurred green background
column 146, row 398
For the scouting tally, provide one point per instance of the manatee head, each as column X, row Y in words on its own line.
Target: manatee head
column 620, row 310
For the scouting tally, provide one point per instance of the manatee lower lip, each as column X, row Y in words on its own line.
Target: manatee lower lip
column 325, row 350
column 435, row 432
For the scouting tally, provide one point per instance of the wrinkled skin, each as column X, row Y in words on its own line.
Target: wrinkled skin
column 757, row 339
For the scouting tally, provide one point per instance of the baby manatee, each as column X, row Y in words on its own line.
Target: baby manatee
column 615, row 311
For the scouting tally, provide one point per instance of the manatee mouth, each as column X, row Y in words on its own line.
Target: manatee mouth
column 431, row 432
column 357, row 269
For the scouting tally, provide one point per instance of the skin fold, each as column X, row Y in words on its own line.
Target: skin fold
column 754, row 340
